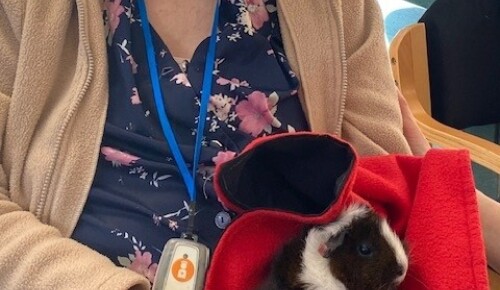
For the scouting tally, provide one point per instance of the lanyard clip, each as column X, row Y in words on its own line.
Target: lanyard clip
column 189, row 233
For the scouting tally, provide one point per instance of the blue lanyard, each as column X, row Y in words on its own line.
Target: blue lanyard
column 189, row 178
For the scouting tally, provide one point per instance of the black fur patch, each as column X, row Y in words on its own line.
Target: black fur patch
column 365, row 260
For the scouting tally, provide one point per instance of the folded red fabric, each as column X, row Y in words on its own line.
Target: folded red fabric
column 281, row 183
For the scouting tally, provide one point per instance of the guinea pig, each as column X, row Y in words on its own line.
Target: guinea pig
column 358, row 251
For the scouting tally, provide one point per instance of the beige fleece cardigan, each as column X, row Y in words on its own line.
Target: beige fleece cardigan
column 53, row 99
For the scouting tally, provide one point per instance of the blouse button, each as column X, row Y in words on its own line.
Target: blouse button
column 222, row 220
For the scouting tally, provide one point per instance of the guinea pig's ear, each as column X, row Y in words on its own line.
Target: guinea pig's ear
column 335, row 241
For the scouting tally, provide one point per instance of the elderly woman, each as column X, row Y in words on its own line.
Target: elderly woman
column 91, row 187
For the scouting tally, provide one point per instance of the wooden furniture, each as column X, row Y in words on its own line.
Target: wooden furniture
column 408, row 52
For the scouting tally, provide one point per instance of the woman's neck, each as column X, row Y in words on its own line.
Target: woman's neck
column 181, row 24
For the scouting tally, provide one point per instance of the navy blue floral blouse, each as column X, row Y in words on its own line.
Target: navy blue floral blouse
column 138, row 199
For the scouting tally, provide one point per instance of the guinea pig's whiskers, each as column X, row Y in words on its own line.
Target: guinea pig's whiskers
column 411, row 259
column 383, row 286
column 418, row 280
column 409, row 251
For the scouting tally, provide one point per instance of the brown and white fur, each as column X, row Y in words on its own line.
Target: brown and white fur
column 358, row 251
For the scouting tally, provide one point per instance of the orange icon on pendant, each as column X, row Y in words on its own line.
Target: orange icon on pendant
column 183, row 269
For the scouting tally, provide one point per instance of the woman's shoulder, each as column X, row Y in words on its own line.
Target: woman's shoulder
column 18, row 15
column 351, row 13
column 28, row 19
column 12, row 15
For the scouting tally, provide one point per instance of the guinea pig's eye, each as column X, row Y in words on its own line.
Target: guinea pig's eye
column 365, row 249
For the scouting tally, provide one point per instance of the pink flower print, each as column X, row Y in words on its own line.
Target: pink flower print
column 258, row 12
column 173, row 225
column 142, row 264
column 257, row 113
column 234, row 83
column 181, row 78
column 113, row 12
column 223, row 156
column 135, row 99
column 118, row 157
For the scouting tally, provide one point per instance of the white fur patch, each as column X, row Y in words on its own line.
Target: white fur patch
column 395, row 243
column 316, row 273
column 353, row 211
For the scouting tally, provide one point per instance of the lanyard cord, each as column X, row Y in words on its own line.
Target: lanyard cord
column 189, row 178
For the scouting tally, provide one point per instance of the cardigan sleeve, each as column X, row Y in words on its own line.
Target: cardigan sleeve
column 372, row 119
column 34, row 255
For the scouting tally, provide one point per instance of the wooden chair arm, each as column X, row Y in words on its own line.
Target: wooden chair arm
column 408, row 53
column 494, row 280
column 482, row 151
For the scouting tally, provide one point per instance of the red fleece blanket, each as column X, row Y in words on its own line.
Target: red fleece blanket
column 429, row 201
